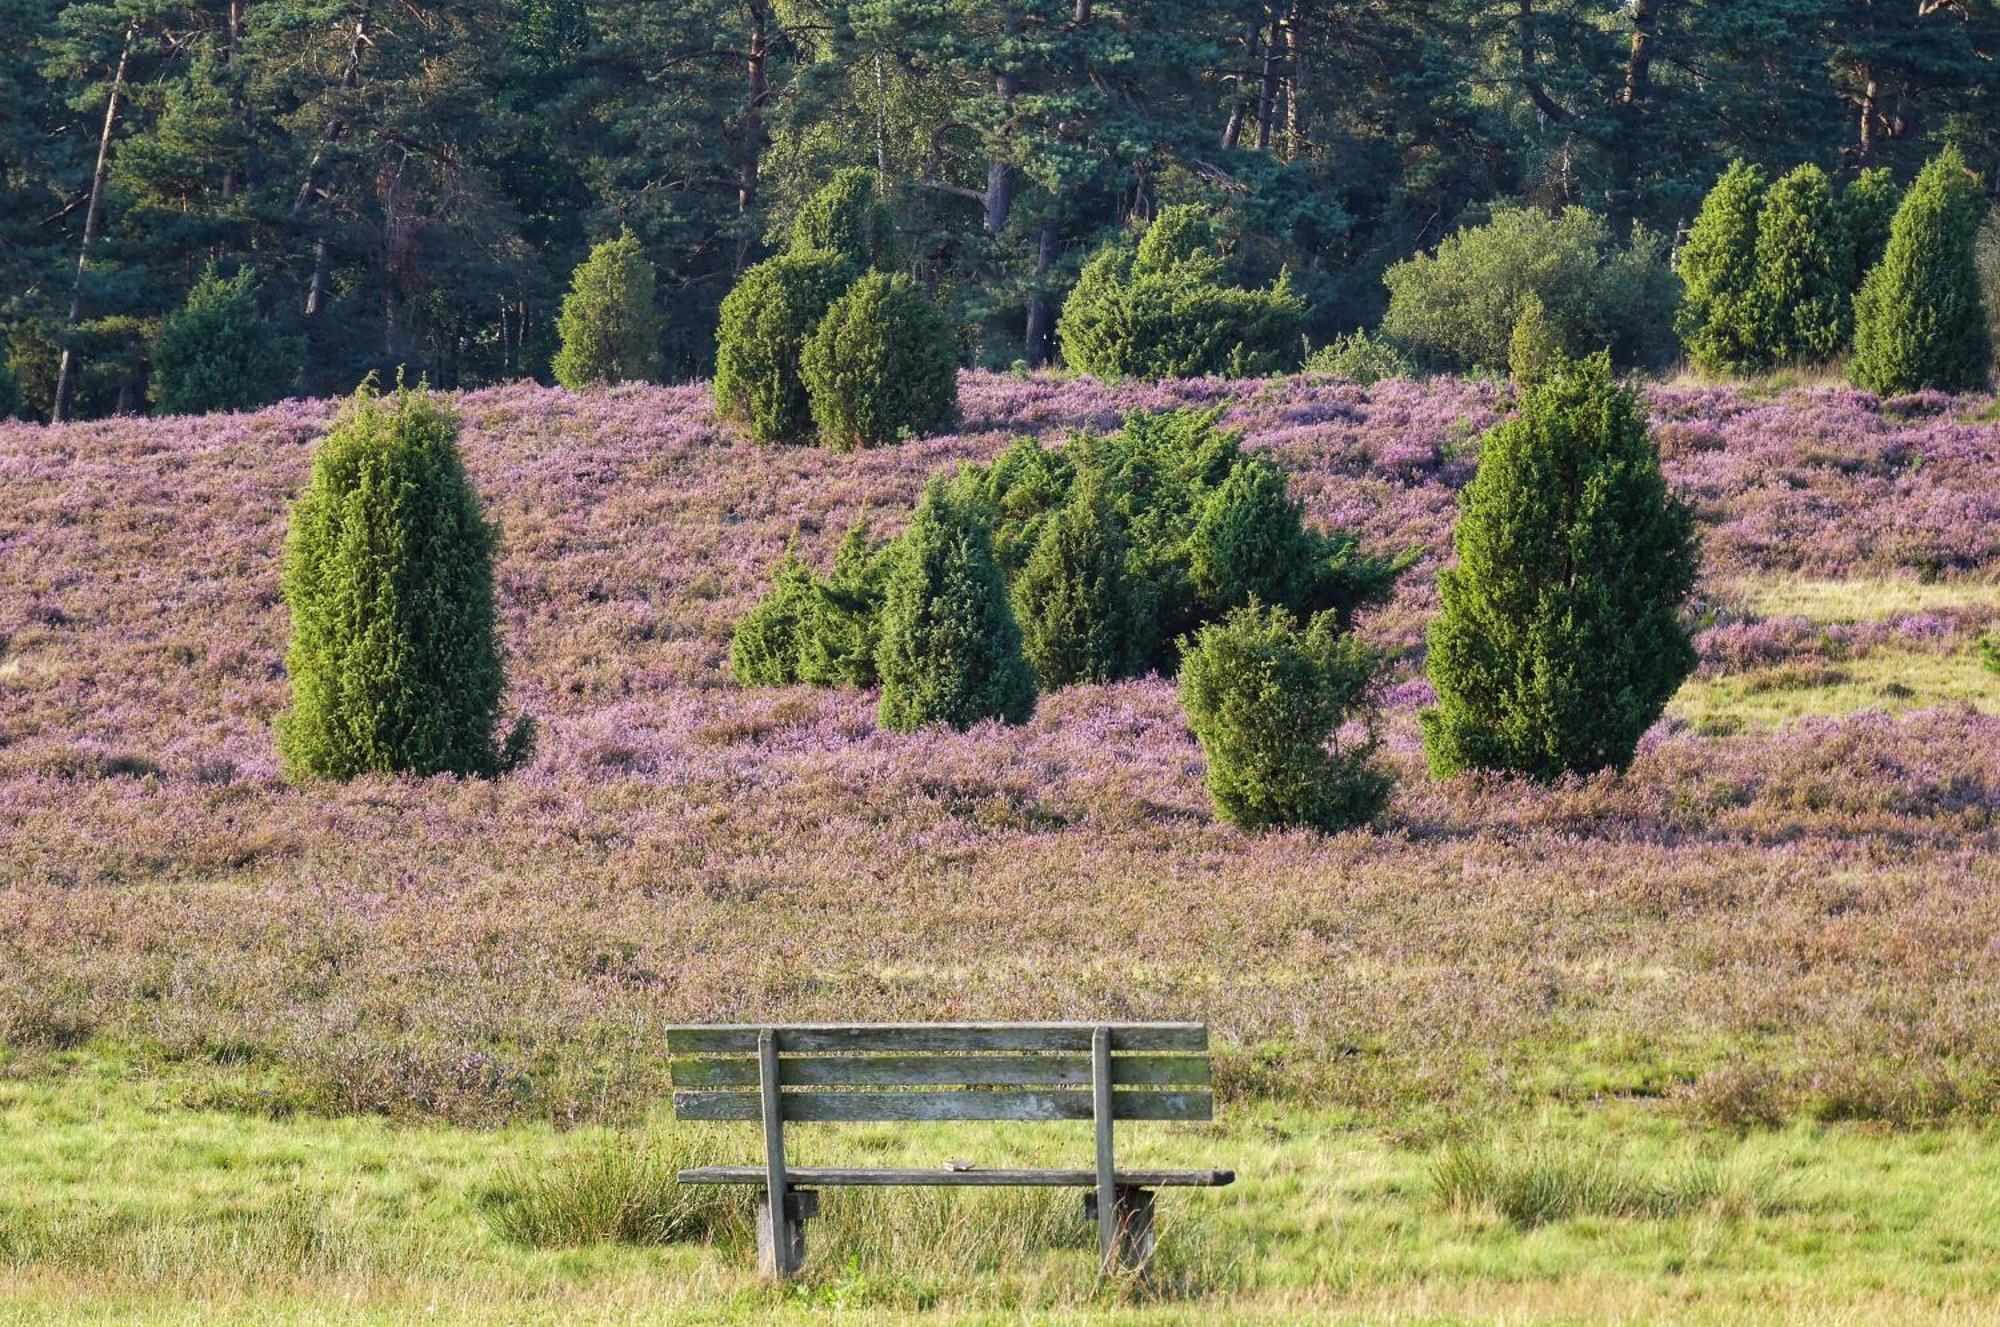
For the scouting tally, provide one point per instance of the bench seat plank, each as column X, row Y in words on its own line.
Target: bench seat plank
column 835, row 1177
column 889, row 1107
column 793, row 1038
column 1037, row 1070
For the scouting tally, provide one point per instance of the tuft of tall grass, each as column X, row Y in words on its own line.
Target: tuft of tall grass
column 618, row 1189
column 1551, row 1182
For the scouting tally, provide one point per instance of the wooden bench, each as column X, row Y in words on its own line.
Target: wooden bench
column 944, row 1071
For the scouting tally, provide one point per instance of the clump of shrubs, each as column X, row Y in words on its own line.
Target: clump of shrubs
column 610, row 320
column 1919, row 319
column 1561, row 638
column 1110, row 549
column 882, row 366
column 1457, row 307
column 1267, row 700
column 823, row 338
column 218, row 352
column 388, row 573
column 1171, row 306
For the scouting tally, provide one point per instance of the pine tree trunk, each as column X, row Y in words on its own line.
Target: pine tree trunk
column 93, row 221
column 998, row 203
column 1267, row 97
column 757, row 92
column 1041, row 329
column 1239, row 113
column 322, row 250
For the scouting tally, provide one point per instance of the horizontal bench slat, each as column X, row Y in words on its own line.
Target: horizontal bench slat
column 893, row 1106
column 837, row 1177
column 942, row 1071
column 794, row 1038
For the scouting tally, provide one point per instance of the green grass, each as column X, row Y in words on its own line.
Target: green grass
column 1892, row 680
column 1861, row 599
column 126, row 1205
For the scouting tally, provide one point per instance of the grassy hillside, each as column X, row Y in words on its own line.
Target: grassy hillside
column 1781, row 921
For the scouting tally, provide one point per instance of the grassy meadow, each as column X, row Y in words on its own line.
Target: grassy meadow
column 1715, row 1041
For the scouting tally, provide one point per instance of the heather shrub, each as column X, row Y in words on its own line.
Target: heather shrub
column 1361, row 357
column 1804, row 261
column 882, row 366
column 764, row 325
column 848, row 217
column 950, row 650
column 217, row 352
column 1267, row 701
column 610, row 322
column 1919, row 319
column 1457, row 306
column 1080, row 615
column 388, row 573
column 1534, row 346
column 1560, row 639
column 1169, row 307
column 820, row 632
column 1718, row 265
column 1868, row 206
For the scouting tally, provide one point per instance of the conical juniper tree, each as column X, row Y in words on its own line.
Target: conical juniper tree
column 847, row 216
column 1078, row 610
column 1718, row 267
column 1802, row 308
column 951, row 648
column 766, row 321
column 388, row 573
column 1920, row 320
column 1561, row 638
column 1868, row 204
column 610, row 322
column 217, row 352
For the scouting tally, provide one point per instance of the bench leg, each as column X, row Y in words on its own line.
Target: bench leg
column 1132, row 1249
column 781, row 1253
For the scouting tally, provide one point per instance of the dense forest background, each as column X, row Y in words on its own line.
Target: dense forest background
column 412, row 183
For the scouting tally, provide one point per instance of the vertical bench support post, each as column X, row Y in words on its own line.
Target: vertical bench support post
column 1107, row 1171
column 781, row 1245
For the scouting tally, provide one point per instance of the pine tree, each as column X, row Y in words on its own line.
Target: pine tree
column 388, row 572
column 951, row 649
column 217, row 352
column 1920, row 320
column 1718, row 266
column 882, row 366
column 1267, row 702
column 1560, row 638
column 1075, row 601
column 610, row 323
column 1805, row 257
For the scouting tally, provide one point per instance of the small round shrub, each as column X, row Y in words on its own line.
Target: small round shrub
column 883, row 365
column 1075, row 601
column 217, row 352
column 1560, row 639
column 763, row 329
column 1267, row 702
column 388, row 573
column 610, row 322
column 1361, row 357
column 1456, row 307
column 847, row 217
column 1718, row 266
column 1920, row 320
column 951, row 650
column 1804, row 265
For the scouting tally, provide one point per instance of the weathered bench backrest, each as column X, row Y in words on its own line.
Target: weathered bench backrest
column 942, row 1071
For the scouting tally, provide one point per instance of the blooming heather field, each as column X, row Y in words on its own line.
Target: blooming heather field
column 1763, row 918
column 1715, row 1039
